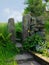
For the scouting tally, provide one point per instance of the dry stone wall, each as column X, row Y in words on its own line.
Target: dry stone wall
column 32, row 25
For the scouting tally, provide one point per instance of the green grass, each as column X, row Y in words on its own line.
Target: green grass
column 8, row 51
column 8, row 63
column 3, row 27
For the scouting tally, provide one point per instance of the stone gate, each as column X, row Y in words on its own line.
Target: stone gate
column 11, row 29
column 32, row 25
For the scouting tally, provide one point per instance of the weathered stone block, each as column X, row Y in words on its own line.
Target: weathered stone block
column 32, row 25
column 26, row 26
column 11, row 29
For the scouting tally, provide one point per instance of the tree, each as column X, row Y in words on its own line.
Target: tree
column 46, row 0
column 46, row 15
column 36, row 7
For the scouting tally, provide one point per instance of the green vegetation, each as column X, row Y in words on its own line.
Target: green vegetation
column 8, row 63
column 32, row 41
column 3, row 29
column 47, row 27
column 36, row 43
column 18, row 28
column 36, row 7
column 7, row 47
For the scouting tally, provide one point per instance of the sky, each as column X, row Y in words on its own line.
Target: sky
column 11, row 9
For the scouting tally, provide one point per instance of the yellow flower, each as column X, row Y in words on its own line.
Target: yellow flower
column 28, row 30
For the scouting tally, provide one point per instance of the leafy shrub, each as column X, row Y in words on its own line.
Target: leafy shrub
column 32, row 41
column 18, row 28
column 45, row 52
column 7, row 47
column 36, row 43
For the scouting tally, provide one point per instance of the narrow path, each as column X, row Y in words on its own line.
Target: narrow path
column 24, row 58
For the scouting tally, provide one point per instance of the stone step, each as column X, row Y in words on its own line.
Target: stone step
column 30, row 63
column 19, row 45
column 23, row 57
column 22, row 51
column 18, row 40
